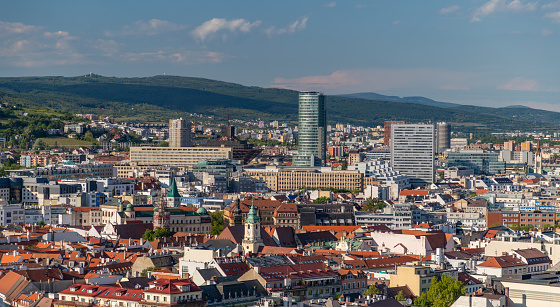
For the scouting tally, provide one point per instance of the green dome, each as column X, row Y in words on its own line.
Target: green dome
column 252, row 216
column 202, row 211
column 129, row 208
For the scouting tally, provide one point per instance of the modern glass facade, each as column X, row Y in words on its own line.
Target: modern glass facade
column 480, row 161
column 312, row 130
column 412, row 152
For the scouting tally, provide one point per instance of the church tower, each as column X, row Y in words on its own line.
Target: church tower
column 237, row 214
column 161, row 214
column 252, row 239
column 173, row 197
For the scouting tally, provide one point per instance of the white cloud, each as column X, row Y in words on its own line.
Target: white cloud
column 494, row 6
column 551, row 5
column 7, row 28
column 215, row 25
column 330, row 4
column 176, row 56
column 293, row 27
column 546, row 32
column 449, row 9
column 555, row 16
column 357, row 80
column 396, row 22
column 150, row 27
column 522, row 84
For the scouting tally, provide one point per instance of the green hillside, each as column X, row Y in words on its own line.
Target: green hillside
column 158, row 98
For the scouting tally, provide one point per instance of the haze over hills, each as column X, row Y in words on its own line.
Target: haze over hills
column 158, row 98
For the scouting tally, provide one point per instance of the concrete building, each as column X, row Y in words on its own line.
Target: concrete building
column 396, row 218
column 180, row 133
column 183, row 157
column 312, row 130
column 290, row 179
column 412, row 152
column 387, row 131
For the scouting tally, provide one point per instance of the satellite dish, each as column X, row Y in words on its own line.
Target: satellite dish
column 408, row 301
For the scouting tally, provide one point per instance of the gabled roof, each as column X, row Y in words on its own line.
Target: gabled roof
column 502, row 262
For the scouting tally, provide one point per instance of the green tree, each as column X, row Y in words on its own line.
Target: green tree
column 163, row 144
column 373, row 204
column 151, row 235
column 442, row 293
column 344, row 165
column 322, row 200
column 372, row 290
column 144, row 272
column 400, row 296
column 217, row 222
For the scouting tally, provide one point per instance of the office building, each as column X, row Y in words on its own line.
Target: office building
column 180, row 133
column 412, row 152
column 387, row 131
column 312, row 130
column 290, row 179
column 443, row 136
column 482, row 162
column 184, row 157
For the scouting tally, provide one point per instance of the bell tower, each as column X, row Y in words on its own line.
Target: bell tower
column 252, row 239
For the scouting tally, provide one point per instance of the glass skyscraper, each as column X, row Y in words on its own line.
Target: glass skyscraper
column 312, row 130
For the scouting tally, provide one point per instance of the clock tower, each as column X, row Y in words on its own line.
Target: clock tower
column 252, row 239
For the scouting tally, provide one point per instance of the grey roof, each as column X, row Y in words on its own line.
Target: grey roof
column 207, row 274
column 215, row 244
column 268, row 261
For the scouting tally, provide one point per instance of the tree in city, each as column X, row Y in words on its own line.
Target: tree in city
column 217, row 222
column 400, row 296
column 372, row 290
column 322, row 200
column 442, row 293
column 144, row 272
column 151, row 235
column 373, row 204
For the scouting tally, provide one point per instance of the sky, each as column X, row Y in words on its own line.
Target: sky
column 479, row 52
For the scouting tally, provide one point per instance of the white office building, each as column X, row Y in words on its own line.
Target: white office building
column 412, row 152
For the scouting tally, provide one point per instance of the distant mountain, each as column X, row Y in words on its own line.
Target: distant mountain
column 412, row 99
column 158, row 98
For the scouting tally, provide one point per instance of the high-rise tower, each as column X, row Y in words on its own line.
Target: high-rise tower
column 312, row 130
column 412, row 152
column 443, row 136
column 180, row 133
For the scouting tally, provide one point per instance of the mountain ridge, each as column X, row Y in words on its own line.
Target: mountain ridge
column 158, row 98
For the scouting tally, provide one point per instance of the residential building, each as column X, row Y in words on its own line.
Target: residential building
column 394, row 217
column 312, row 130
column 412, row 152
column 180, row 133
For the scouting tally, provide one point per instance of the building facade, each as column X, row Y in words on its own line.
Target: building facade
column 412, row 152
column 180, row 133
column 185, row 157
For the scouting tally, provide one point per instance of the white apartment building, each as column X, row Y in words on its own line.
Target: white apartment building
column 412, row 152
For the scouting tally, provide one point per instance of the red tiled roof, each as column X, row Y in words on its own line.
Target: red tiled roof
column 502, row 262
column 414, row 193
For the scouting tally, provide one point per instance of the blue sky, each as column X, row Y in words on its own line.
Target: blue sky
column 481, row 52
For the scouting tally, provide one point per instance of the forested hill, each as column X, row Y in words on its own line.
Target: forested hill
column 158, row 98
